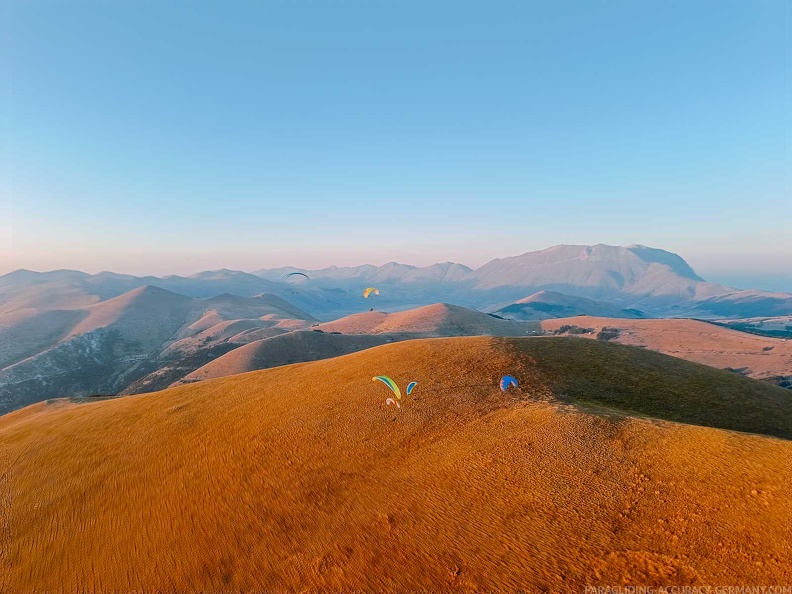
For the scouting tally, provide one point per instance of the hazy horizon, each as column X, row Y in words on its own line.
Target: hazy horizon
column 156, row 139
column 748, row 280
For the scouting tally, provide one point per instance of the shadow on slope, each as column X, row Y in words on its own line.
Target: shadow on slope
column 649, row 383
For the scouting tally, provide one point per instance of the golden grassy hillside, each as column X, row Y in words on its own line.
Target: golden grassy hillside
column 439, row 319
column 299, row 478
column 283, row 350
column 759, row 356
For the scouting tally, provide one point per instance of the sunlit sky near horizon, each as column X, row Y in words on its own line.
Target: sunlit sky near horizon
column 174, row 137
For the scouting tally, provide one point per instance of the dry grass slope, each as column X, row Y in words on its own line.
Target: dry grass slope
column 299, row 478
column 439, row 319
column 759, row 356
column 653, row 384
column 295, row 347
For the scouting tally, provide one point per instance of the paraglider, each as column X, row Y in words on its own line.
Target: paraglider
column 507, row 381
column 390, row 383
column 291, row 274
column 369, row 291
column 394, row 388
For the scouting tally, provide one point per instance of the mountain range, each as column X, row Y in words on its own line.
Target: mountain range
column 70, row 333
column 654, row 281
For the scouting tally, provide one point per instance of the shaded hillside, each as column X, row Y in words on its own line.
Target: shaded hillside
column 296, row 347
column 746, row 304
column 227, row 323
column 551, row 304
column 147, row 315
column 231, row 307
column 144, row 339
column 755, row 356
column 627, row 379
column 439, row 319
column 299, row 478
column 26, row 332
column 102, row 352
column 159, row 373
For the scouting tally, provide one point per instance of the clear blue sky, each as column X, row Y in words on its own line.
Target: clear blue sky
column 172, row 137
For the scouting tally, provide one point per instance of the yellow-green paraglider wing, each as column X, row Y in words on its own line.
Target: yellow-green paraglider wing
column 388, row 382
column 369, row 291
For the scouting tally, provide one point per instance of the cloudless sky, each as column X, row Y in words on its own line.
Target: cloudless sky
column 173, row 137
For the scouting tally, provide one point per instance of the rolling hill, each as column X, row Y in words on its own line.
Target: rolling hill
column 439, row 319
column 755, row 356
column 295, row 347
column 27, row 332
column 745, row 304
column 551, row 304
column 141, row 340
column 148, row 316
column 357, row 332
column 747, row 354
column 69, row 333
column 299, row 478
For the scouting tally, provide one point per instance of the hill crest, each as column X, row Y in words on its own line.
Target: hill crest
column 438, row 319
column 302, row 478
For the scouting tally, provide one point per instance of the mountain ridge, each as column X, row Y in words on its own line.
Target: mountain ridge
column 111, row 333
column 630, row 276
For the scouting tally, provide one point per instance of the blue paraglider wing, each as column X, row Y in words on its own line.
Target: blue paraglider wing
column 507, row 381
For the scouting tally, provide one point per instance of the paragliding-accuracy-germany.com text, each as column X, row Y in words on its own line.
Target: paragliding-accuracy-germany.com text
column 777, row 589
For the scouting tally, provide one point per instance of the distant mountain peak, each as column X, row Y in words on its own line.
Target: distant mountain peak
column 670, row 259
column 598, row 271
column 147, row 292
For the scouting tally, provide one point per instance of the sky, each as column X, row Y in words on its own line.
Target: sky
column 172, row 137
